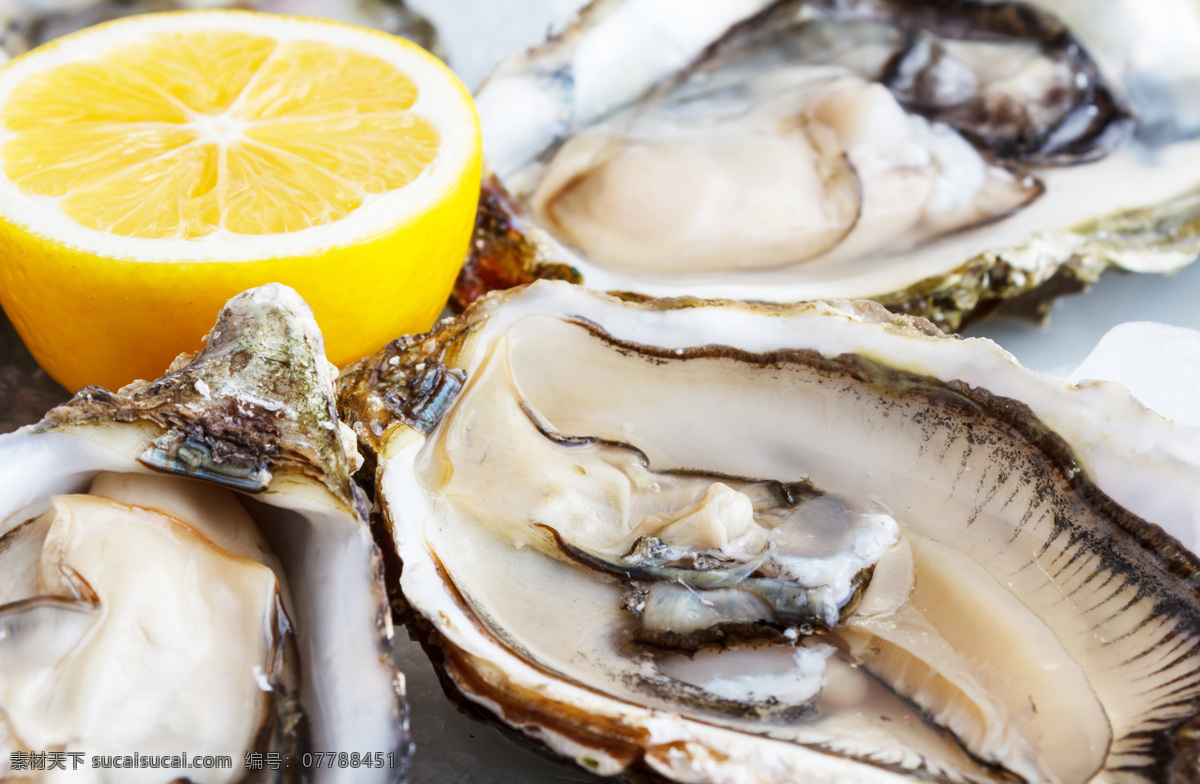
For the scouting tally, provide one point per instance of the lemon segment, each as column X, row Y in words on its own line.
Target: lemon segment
column 88, row 153
column 325, row 81
column 203, row 71
column 155, row 166
column 360, row 150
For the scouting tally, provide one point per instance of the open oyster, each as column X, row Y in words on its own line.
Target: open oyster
column 187, row 568
column 936, row 157
column 733, row 543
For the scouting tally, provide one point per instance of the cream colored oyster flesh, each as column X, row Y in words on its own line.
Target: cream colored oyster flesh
column 141, row 578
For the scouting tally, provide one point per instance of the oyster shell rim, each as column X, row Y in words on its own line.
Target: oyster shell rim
column 399, row 439
column 508, row 251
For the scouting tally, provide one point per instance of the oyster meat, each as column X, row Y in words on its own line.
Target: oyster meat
column 719, row 542
column 187, row 567
column 939, row 158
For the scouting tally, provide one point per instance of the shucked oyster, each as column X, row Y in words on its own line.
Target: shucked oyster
column 733, row 543
column 187, row 568
column 936, row 157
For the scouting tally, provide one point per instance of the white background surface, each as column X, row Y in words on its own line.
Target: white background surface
column 452, row 749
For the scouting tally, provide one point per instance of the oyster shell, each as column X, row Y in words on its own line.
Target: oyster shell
column 940, row 159
column 193, row 548
column 720, row 542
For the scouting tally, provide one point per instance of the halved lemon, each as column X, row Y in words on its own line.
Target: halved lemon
column 154, row 166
